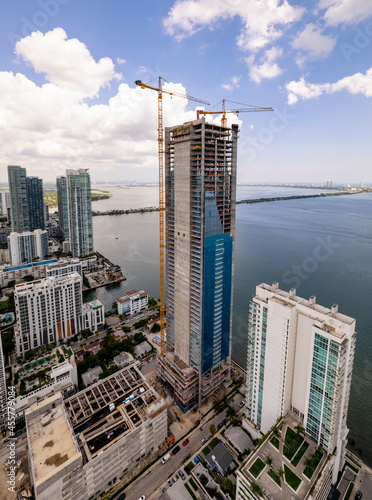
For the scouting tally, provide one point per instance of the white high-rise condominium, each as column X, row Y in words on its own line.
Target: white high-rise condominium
column 300, row 358
column 25, row 247
column 48, row 310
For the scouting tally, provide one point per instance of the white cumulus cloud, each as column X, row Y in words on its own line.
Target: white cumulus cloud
column 66, row 63
column 358, row 83
column 345, row 11
column 268, row 68
column 313, row 43
column 52, row 126
column 263, row 20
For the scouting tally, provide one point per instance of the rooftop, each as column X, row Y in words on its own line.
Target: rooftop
column 111, row 408
column 50, row 438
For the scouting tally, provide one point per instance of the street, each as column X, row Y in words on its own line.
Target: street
column 152, row 480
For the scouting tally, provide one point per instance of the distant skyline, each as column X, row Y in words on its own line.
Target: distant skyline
column 68, row 98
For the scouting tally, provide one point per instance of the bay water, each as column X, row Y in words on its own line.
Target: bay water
column 320, row 246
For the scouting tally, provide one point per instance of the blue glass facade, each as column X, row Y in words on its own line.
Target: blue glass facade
column 217, row 272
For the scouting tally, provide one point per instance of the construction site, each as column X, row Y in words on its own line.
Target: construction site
column 100, row 434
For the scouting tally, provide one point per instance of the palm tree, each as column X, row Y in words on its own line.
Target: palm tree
column 280, row 472
column 216, row 405
column 300, row 429
column 269, row 461
column 231, row 413
column 307, row 462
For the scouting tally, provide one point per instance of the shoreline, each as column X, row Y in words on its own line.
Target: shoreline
column 96, row 213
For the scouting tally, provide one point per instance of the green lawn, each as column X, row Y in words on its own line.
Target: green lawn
column 275, row 442
column 291, row 443
column 257, row 467
column 192, row 482
column 349, row 490
column 274, row 476
column 352, row 467
column 291, row 478
column 300, row 454
column 190, row 466
column 190, row 491
column 315, row 459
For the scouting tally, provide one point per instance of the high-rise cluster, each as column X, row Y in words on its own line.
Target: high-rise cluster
column 26, row 200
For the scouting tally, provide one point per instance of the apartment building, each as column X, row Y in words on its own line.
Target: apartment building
column 300, row 359
column 80, row 447
column 48, row 310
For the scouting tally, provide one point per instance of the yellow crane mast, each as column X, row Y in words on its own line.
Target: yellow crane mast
column 235, row 111
column 172, row 93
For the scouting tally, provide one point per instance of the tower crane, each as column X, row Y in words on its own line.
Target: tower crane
column 224, row 111
column 172, row 93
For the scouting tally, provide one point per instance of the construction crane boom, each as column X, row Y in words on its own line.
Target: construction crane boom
column 252, row 109
column 172, row 93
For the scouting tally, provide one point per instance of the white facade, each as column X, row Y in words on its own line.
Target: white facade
column 17, row 273
column 300, row 358
column 64, row 267
column 3, row 398
column 135, row 427
column 93, row 315
column 49, row 310
column 133, row 302
column 64, row 379
column 24, row 247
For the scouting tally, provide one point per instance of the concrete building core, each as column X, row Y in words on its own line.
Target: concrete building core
column 200, row 195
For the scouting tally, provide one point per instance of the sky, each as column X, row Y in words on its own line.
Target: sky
column 68, row 97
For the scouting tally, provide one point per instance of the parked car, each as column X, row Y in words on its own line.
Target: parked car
column 181, row 474
column 185, row 442
column 241, row 404
column 122, row 496
column 186, row 470
column 175, row 450
column 174, row 478
column 19, row 433
column 169, row 483
column 142, row 497
column 165, row 458
column 204, row 440
column 358, row 495
column 219, row 425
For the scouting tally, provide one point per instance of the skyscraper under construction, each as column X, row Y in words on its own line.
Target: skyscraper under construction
column 200, row 195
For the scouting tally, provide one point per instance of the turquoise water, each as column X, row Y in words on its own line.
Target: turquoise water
column 271, row 238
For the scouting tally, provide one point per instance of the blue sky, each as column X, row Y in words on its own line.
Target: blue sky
column 68, row 99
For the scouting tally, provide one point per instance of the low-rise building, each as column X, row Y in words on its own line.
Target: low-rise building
column 221, row 459
column 80, row 447
column 89, row 263
column 123, row 359
column 17, row 273
column 91, row 375
column 93, row 315
column 133, row 302
column 64, row 267
column 142, row 349
column 112, row 273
